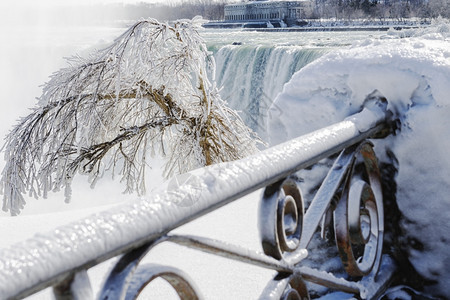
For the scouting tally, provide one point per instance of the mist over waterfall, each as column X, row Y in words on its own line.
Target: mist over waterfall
column 252, row 76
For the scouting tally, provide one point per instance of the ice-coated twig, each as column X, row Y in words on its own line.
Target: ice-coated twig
column 149, row 90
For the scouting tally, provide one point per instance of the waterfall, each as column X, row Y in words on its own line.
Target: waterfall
column 252, row 76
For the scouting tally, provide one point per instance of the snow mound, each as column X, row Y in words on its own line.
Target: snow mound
column 412, row 70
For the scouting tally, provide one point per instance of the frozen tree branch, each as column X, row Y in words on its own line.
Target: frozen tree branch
column 148, row 92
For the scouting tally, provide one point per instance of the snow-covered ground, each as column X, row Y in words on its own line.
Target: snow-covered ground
column 412, row 70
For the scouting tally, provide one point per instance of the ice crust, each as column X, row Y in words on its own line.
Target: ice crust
column 46, row 255
column 413, row 73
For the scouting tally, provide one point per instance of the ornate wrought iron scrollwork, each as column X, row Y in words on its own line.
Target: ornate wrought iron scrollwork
column 358, row 218
column 281, row 220
column 353, row 200
column 296, row 289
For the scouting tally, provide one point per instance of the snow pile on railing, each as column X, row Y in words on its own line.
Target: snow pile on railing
column 32, row 263
column 414, row 74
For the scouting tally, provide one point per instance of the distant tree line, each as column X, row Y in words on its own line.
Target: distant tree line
column 380, row 9
column 186, row 9
column 214, row 10
column 208, row 9
column 339, row 9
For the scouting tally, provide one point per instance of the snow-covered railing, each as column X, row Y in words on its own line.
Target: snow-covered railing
column 60, row 258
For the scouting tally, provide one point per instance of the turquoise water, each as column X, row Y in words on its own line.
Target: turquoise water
column 252, row 67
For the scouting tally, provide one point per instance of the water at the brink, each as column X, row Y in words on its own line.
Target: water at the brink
column 252, row 67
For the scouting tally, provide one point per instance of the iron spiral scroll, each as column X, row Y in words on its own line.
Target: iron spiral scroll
column 359, row 218
column 128, row 278
column 286, row 229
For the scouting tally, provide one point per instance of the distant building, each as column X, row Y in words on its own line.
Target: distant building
column 289, row 12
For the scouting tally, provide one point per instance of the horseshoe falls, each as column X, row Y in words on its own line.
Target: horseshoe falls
column 251, row 76
column 252, row 67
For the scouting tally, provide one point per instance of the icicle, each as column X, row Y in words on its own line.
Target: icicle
column 68, row 192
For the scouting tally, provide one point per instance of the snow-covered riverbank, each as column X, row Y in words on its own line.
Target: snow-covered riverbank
column 413, row 73
column 323, row 25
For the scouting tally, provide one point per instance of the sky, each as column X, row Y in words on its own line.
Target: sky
column 14, row 13
column 71, row 2
column 52, row 12
column 47, row 3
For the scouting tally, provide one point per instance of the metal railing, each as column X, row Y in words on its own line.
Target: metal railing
column 60, row 258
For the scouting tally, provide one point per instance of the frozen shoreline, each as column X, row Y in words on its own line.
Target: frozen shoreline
column 412, row 71
column 332, row 28
column 319, row 25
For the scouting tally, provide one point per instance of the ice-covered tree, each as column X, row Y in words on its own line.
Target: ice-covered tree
column 147, row 93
